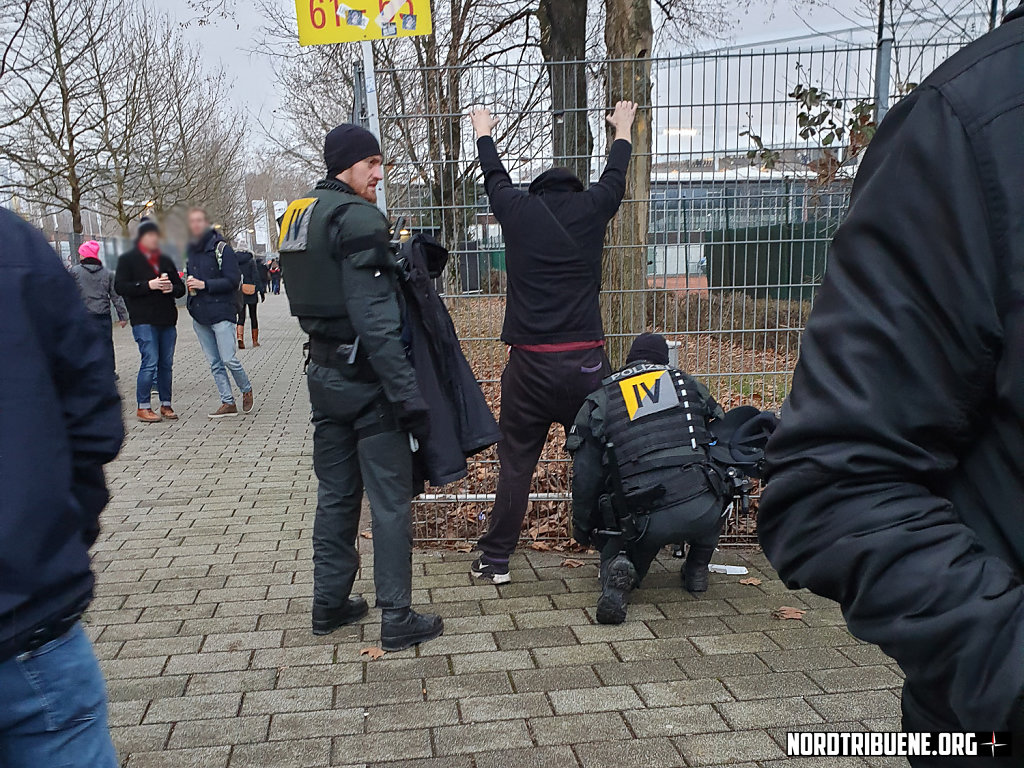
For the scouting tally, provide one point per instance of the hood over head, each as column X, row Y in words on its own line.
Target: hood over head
column 556, row 180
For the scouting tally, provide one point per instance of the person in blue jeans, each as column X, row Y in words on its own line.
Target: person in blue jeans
column 149, row 282
column 60, row 422
column 213, row 283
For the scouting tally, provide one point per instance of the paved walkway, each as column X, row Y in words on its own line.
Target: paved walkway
column 202, row 624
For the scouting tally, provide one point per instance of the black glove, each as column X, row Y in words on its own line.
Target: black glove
column 414, row 418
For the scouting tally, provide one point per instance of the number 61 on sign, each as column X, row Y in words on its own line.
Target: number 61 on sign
column 350, row 21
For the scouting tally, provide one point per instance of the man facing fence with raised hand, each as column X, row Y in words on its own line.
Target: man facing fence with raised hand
column 554, row 241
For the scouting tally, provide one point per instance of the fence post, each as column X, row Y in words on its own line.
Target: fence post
column 883, row 62
column 373, row 113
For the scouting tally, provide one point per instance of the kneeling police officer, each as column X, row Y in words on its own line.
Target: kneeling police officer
column 342, row 279
column 642, row 475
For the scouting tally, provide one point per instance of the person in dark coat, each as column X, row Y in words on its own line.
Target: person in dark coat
column 213, row 284
column 149, row 282
column 96, row 285
column 554, row 240
column 252, row 292
column 896, row 478
column 60, row 422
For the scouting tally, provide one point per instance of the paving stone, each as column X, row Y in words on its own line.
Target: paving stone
column 298, row 726
column 402, row 669
column 641, row 650
column 320, row 674
column 535, row 757
column 805, row 659
column 467, row 686
column 771, row 686
column 724, row 665
column 717, row 749
column 639, row 752
column 748, row 715
column 574, row 655
column 214, row 705
column 856, row 706
column 748, row 642
column 616, row 673
column 573, row 729
column 287, row 700
column 674, row 721
column 683, row 692
column 295, row 754
column 481, row 737
column 205, row 757
column 140, row 738
column 540, row 637
column 605, row 699
column 495, row 661
column 411, row 715
column 855, row 679
column 553, row 679
column 453, row 761
column 604, row 633
column 212, row 733
column 510, row 706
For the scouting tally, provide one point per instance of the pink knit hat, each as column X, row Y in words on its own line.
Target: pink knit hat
column 90, row 249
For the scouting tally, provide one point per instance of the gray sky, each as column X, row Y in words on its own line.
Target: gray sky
column 229, row 41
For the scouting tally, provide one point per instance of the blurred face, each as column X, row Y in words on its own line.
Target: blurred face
column 364, row 177
column 150, row 241
column 197, row 223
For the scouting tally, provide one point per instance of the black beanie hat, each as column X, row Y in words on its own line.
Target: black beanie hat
column 648, row 347
column 346, row 145
column 146, row 224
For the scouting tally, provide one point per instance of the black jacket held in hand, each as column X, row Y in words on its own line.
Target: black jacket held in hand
column 461, row 423
column 146, row 306
column 60, row 422
column 896, row 477
column 554, row 240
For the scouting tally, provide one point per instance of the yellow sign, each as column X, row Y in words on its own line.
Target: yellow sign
column 648, row 393
column 333, row 21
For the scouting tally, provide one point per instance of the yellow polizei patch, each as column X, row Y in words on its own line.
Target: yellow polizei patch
column 295, row 224
column 648, row 393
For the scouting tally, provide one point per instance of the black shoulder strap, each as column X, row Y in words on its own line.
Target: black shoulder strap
column 569, row 238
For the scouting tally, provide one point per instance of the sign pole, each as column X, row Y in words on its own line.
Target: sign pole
column 373, row 113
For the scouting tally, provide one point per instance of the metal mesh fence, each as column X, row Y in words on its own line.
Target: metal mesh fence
column 721, row 249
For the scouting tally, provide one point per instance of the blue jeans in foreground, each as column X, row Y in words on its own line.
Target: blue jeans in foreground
column 54, row 710
column 218, row 342
column 156, row 345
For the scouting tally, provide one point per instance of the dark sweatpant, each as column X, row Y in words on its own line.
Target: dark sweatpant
column 664, row 528
column 538, row 389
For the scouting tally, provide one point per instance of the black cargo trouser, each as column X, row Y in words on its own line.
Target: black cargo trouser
column 357, row 445
column 664, row 527
column 538, row 389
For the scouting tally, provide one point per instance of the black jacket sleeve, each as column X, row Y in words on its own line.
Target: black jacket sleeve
column 607, row 192
column 896, row 373
column 124, row 281
column 502, row 194
column 371, row 297
column 231, row 275
column 586, row 444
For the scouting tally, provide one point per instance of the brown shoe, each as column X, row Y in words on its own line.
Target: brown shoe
column 247, row 401
column 255, row 337
column 168, row 413
column 239, row 330
column 226, row 409
column 148, row 416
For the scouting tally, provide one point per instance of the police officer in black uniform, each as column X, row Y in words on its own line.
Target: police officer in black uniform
column 641, row 474
column 368, row 414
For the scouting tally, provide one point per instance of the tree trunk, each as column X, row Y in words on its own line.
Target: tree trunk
column 628, row 37
column 563, row 43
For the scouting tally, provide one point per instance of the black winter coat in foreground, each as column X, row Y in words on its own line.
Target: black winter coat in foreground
column 461, row 423
column 896, row 482
column 60, row 422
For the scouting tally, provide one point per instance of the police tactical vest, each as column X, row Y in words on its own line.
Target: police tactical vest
column 658, row 427
column 309, row 264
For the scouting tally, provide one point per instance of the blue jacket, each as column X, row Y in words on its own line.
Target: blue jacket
column 60, row 422
column 218, row 301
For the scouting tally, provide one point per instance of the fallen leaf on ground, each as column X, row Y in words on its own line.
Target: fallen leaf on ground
column 540, row 546
column 464, row 548
column 788, row 612
column 373, row 652
column 366, row 534
column 752, row 581
column 571, row 563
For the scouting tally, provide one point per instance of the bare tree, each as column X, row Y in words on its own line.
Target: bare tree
column 48, row 103
column 13, row 20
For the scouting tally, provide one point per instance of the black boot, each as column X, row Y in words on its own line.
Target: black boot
column 326, row 620
column 402, row 628
column 695, row 569
column 618, row 578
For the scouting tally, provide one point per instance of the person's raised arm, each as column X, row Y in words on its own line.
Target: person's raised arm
column 607, row 192
column 501, row 193
column 894, row 383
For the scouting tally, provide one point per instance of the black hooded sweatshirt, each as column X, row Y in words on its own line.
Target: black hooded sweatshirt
column 554, row 238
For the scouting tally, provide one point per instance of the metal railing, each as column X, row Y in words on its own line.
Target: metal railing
column 722, row 251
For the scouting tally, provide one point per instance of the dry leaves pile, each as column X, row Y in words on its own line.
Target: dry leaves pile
column 719, row 358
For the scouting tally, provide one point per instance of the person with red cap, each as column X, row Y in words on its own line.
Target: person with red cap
column 150, row 283
column 96, row 284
